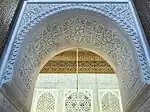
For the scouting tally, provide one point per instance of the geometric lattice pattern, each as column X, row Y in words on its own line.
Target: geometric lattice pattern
column 46, row 103
column 78, row 102
column 88, row 62
column 59, row 93
column 110, row 102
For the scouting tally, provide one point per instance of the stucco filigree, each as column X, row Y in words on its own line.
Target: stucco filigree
column 7, row 10
column 78, row 101
column 6, row 104
column 45, row 100
column 145, row 107
column 109, row 101
column 46, row 103
column 78, row 31
column 120, row 13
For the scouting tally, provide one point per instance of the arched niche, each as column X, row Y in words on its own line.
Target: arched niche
column 38, row 40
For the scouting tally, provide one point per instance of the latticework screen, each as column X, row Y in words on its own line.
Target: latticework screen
column 110, row 102
column 46, row 103
column 45, row 100
column 80, row 101
column 60, row 93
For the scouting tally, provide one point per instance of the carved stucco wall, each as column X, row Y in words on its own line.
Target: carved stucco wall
column 8, row 8
column 55, row 39
column 81, row 29
column 7, row 11
column 143, row 10
column 145, row 107
column 6, row 105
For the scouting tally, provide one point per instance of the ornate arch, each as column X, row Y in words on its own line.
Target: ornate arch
column 42, row 32
column 120, row 13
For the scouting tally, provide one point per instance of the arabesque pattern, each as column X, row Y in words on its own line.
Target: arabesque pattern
column 46, row 103
column 82, row 30
column 78, row 102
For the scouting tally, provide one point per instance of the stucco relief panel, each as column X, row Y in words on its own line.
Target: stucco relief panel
column 120, row 13
column 7, row 10
column 74, row 31
column 79, row 32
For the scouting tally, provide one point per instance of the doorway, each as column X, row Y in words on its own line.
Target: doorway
column 77, row 80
